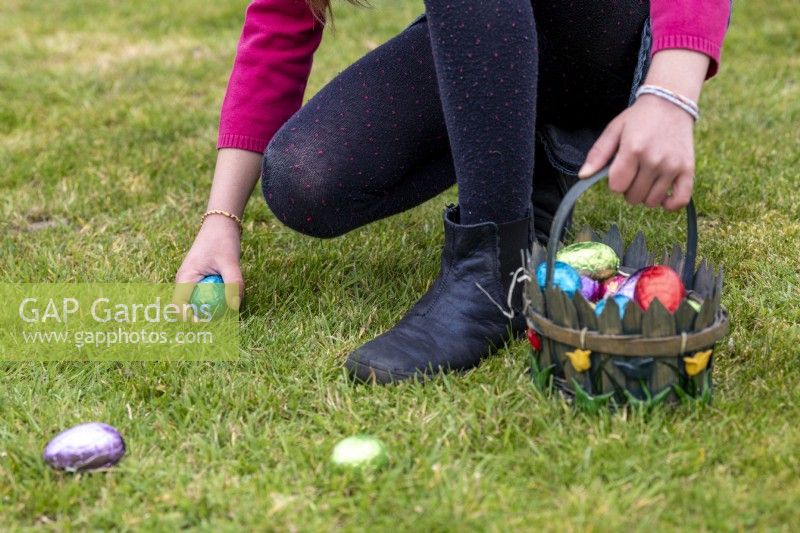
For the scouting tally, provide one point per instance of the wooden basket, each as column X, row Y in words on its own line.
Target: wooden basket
column 645, row 358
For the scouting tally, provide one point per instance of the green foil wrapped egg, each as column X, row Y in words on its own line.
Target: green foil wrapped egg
column 359, row 452
column 209, row 297
column 593, row 259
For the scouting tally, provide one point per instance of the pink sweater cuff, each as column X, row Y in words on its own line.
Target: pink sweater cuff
column 242, row 142
column 691, row 42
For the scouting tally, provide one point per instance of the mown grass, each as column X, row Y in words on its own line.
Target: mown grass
column 108, row 115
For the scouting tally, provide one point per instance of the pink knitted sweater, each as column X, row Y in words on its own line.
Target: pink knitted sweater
column 279, row 38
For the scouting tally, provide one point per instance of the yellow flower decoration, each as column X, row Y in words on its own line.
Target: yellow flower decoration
column 580, row 359
column 697, row 363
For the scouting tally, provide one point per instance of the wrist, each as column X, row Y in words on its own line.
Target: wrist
column 663, row 98
column 219, row 213
column 216, row 223
column 680, row 71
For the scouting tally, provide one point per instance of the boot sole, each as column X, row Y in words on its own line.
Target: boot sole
column 369, row 374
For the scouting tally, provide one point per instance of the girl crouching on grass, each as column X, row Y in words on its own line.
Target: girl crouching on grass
column 508, row 99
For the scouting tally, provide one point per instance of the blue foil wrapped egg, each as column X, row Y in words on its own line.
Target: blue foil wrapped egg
column 622, row 302
column 209, row 297
column 565, row 277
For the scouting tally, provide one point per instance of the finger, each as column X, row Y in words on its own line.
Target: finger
column 234, row 285
column 642, row 183
column 603, row 149
column 188, row 276
column 681, row 192
column 623, row 170
column 658, row 193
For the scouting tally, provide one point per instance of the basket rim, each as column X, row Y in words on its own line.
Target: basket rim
column 630, row 345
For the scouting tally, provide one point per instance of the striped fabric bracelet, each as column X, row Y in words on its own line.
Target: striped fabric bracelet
column 688, row 105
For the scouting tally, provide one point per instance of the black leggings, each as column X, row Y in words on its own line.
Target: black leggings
column 409, row 120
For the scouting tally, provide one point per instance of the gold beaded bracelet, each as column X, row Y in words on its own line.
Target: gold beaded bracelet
column 223, row 213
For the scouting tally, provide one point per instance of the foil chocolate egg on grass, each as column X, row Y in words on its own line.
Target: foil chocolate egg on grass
column 593, row 259
column 565, row 277
column 359, row 452
column 660, row 282
column 90, row 446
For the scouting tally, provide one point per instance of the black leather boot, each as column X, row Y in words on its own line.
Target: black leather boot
column 455, row 324
column 549, row 187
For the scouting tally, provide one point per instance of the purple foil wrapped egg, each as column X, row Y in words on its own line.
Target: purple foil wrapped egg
column 89, row 446
column 629, row 285
column 590, row 289
column 610, row 286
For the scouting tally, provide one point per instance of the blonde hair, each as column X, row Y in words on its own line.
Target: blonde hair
column 322, row 8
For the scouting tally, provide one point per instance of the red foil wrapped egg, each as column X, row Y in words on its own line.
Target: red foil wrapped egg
column 660, row 282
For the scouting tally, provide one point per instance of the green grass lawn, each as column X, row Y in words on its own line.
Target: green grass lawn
column 108, row 114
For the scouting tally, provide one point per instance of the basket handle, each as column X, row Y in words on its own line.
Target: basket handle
column 568, row 202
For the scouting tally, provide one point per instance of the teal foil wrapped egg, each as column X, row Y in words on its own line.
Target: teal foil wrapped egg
column 593, row 259
column 565, row 277
column 208, row 298
column 622, row 302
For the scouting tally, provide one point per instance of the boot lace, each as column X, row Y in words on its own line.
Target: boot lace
column 515, row 279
